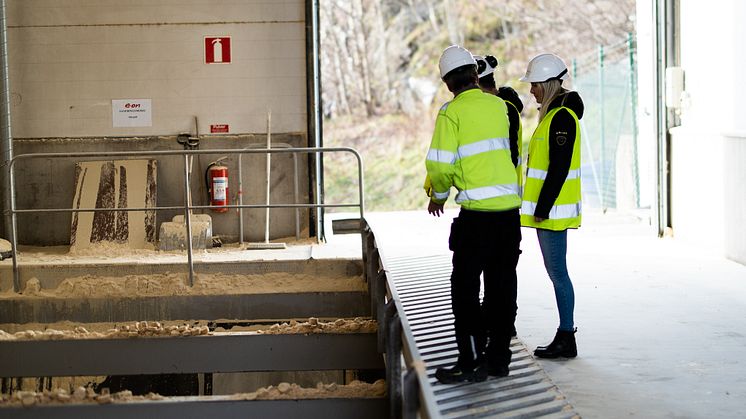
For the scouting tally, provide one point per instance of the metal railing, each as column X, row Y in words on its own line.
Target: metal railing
column 186, row 207
column 408, row 389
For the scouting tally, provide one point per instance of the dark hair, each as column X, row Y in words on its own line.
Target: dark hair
column 488, row 81
column 461, row 77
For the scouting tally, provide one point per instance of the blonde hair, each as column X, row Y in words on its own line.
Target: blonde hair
column 552, row 89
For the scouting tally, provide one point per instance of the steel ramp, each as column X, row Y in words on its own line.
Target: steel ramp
column 423, row 287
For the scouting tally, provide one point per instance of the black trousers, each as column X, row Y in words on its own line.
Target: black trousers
column 488, row 244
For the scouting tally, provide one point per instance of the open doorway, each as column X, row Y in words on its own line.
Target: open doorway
column 381, row 90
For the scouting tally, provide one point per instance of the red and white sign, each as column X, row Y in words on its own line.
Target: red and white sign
column 217, row 50
column 219, row 128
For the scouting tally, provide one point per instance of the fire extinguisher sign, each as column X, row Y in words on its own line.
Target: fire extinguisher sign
column 217, row 50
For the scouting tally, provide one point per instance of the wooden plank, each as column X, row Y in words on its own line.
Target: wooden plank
column 114, row 184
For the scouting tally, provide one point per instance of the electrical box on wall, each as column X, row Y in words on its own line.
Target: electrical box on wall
column 674, row 86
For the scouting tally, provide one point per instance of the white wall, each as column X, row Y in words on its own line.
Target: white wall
column 735, row 144
column 69, row 59
column 708, row 148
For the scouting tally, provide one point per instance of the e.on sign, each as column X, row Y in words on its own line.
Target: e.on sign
column 217, row 49
column 132, row 113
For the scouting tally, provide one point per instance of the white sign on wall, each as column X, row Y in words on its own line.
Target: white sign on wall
column 131, row 113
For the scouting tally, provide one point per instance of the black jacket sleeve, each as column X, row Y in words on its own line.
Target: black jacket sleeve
column 561, row 140
column 514, row 119
column 514, row 104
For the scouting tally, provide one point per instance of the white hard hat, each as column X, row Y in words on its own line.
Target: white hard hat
column 454, row 57
column 545, row 67
column 485, row 65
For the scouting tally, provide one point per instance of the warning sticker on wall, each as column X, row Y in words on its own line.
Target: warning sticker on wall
column 219, row 128
column 131, row 113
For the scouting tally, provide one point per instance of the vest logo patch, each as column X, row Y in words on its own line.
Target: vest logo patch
column 561, row 140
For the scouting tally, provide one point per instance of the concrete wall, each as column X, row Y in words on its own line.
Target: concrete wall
column 49, row 183
column 69, row 60
column 709, row 148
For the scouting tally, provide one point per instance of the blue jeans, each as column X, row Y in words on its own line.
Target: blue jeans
column 554, row 250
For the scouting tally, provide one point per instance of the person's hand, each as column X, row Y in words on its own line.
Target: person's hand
column 435, row 209
column 538, row 219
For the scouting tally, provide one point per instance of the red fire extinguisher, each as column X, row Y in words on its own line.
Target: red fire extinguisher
column 217, row 186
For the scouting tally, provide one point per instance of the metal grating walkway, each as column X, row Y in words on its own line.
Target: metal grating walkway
column 423, row 287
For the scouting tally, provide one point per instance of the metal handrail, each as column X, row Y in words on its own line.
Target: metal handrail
column 186, row 207
column 410, row 395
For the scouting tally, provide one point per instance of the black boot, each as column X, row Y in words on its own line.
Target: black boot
column 563, row 345
column 458, row 374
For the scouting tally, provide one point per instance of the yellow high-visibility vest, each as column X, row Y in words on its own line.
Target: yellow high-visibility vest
column 566, row 211
column 470, row 151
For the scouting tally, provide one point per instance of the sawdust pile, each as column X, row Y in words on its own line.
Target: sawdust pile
column 137, row 329
column 286, row 391
column 79, row 395
column 67, row 330
column 112, row 249
column 356, row 389
column 169, row 284
column 313, row 325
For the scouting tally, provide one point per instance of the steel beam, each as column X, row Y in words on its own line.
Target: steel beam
column 225, row 352
column 203, row 307
column 208, row 407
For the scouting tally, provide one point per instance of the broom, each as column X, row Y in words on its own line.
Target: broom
column 266, row 244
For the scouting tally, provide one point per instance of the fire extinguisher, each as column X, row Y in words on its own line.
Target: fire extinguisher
column 216, row 178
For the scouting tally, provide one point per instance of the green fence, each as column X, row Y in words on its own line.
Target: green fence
column 606, row 80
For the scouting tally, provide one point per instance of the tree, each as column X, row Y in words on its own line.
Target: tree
column 372, row 50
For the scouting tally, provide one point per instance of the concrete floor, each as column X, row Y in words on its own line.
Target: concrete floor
column 661, row 323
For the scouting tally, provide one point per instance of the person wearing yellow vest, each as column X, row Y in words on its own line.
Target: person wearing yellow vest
column 470, row 151
column 551, row 194
column 485, row 68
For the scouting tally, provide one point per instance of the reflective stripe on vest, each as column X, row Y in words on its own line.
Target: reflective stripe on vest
column 441, row 195
column 441, row 156
column 483, row 146
column 542, row 174
column 557, row 212
column 486, row 192
column 469, row 150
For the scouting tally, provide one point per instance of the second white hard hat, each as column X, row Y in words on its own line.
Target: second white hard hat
column 485, row 65
column 454, row 57
column 545, row 67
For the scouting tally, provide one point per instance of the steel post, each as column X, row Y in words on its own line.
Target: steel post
column 188, row 219
column 372, row 277
column 388, row 312
column 380, row 302
column 633, row 104
column 393, row 366
column 410, row 394
column 602, row 122
column 207, row 387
